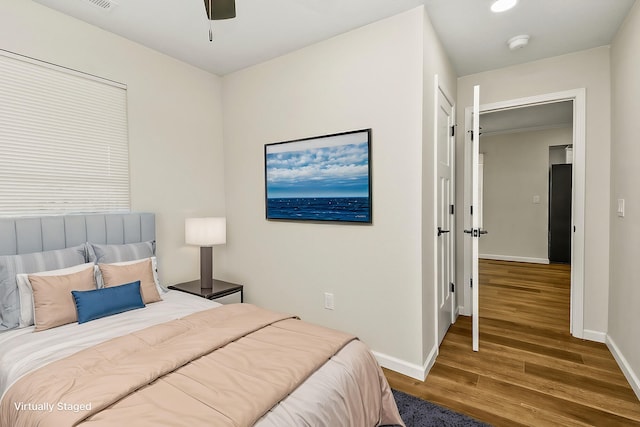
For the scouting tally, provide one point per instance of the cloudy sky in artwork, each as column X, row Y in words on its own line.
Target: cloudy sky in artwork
column 333, row 170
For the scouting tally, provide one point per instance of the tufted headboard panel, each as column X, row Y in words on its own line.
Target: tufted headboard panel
column 36, row 234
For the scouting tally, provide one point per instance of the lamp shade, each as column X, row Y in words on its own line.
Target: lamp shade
column 205, row 231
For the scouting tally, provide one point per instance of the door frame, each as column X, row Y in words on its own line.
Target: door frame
column 578, row 96
column 438, row 88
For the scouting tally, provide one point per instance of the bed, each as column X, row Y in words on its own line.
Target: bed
column 166, row 357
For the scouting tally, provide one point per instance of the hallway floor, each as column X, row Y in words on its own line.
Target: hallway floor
column 529, row 371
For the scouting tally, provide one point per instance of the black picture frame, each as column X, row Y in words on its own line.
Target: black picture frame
column 320, row 179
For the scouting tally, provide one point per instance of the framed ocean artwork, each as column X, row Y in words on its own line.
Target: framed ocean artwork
column 324, row 178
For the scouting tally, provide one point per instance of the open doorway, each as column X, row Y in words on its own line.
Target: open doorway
column 526, row 183
column 576, row 98
column 526, row 189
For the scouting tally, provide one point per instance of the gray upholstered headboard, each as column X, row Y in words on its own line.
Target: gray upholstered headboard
column 36, row 234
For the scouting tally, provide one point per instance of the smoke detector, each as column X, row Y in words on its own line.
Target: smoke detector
column 518, row 42
column 102, row 4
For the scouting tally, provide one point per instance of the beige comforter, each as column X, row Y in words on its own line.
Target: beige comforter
column 221, row 367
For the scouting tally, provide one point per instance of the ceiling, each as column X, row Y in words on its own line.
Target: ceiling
column 262, row 29
column 474, row 37
column 530, row 118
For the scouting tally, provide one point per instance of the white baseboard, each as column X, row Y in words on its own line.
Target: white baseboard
column 514, row 258
column 624, row 366
column 594, row 336
column 462, row 311
column 405, row 368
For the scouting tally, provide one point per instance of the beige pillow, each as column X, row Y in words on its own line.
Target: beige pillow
column 26, row 293
column 114, row 275
column 52, row 300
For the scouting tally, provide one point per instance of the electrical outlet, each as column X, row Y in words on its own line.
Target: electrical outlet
column 328, row 301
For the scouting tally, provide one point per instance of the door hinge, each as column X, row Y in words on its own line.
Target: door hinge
column 471, row 282
column 452, row 210
column 471, row 134
column 453, row 130
column 453, row 287
column 471, row 210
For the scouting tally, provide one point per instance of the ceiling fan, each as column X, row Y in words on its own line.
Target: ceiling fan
column 219, row 9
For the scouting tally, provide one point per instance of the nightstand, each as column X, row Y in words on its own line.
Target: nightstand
column 220, row 289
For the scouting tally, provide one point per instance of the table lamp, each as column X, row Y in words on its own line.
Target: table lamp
column 205, row 232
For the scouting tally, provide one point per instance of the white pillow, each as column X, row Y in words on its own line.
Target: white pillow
column 25, row 291
column 154, row 267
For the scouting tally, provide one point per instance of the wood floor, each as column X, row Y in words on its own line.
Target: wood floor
column 529, row 371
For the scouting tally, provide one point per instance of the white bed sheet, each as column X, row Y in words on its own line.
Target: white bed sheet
column 22, row 351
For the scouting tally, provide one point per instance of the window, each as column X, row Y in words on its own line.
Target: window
column 63, row 140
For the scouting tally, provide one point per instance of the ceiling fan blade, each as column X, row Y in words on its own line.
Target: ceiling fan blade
column 220, row 9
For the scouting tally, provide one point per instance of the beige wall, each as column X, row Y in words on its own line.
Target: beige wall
column 371, row 77
column 174, row 113
column 587, row 69
column 516, row 168
column 624, row 316
column 379, row 76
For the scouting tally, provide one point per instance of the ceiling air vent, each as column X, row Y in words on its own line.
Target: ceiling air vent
column 103, row 4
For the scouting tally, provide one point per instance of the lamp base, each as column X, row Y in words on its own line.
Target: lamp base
column 206, row 267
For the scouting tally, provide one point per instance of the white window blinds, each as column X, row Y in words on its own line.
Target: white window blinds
column 63, row 140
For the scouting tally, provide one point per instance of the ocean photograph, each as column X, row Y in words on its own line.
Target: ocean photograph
column 320, row 179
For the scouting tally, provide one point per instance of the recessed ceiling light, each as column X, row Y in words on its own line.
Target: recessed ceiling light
column 502, row 5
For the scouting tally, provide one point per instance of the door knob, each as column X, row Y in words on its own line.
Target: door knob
column 441, row 231
column 475, row 232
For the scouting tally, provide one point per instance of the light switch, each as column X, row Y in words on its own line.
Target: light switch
column 536, row 199
column 621, row 208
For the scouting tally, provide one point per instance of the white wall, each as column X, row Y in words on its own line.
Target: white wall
column 174, row 112
column 586, row 69
column 624, row 316
column 516, row 168
column 371, row 77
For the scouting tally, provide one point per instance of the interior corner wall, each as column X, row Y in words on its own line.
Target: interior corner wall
column 516, row 169
column 435, row 62
column 624, row 315
column 586, row 69
column 174, row 117
column 367, row 78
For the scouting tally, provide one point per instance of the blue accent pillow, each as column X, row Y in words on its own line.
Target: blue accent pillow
column 94, row 304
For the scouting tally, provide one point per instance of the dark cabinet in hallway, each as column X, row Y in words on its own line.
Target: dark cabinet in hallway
column 560, row 213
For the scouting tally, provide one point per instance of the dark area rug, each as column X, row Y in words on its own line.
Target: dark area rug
column 420, row 413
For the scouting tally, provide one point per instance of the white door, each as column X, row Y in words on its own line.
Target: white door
column 444, row 215
column 472, row 226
